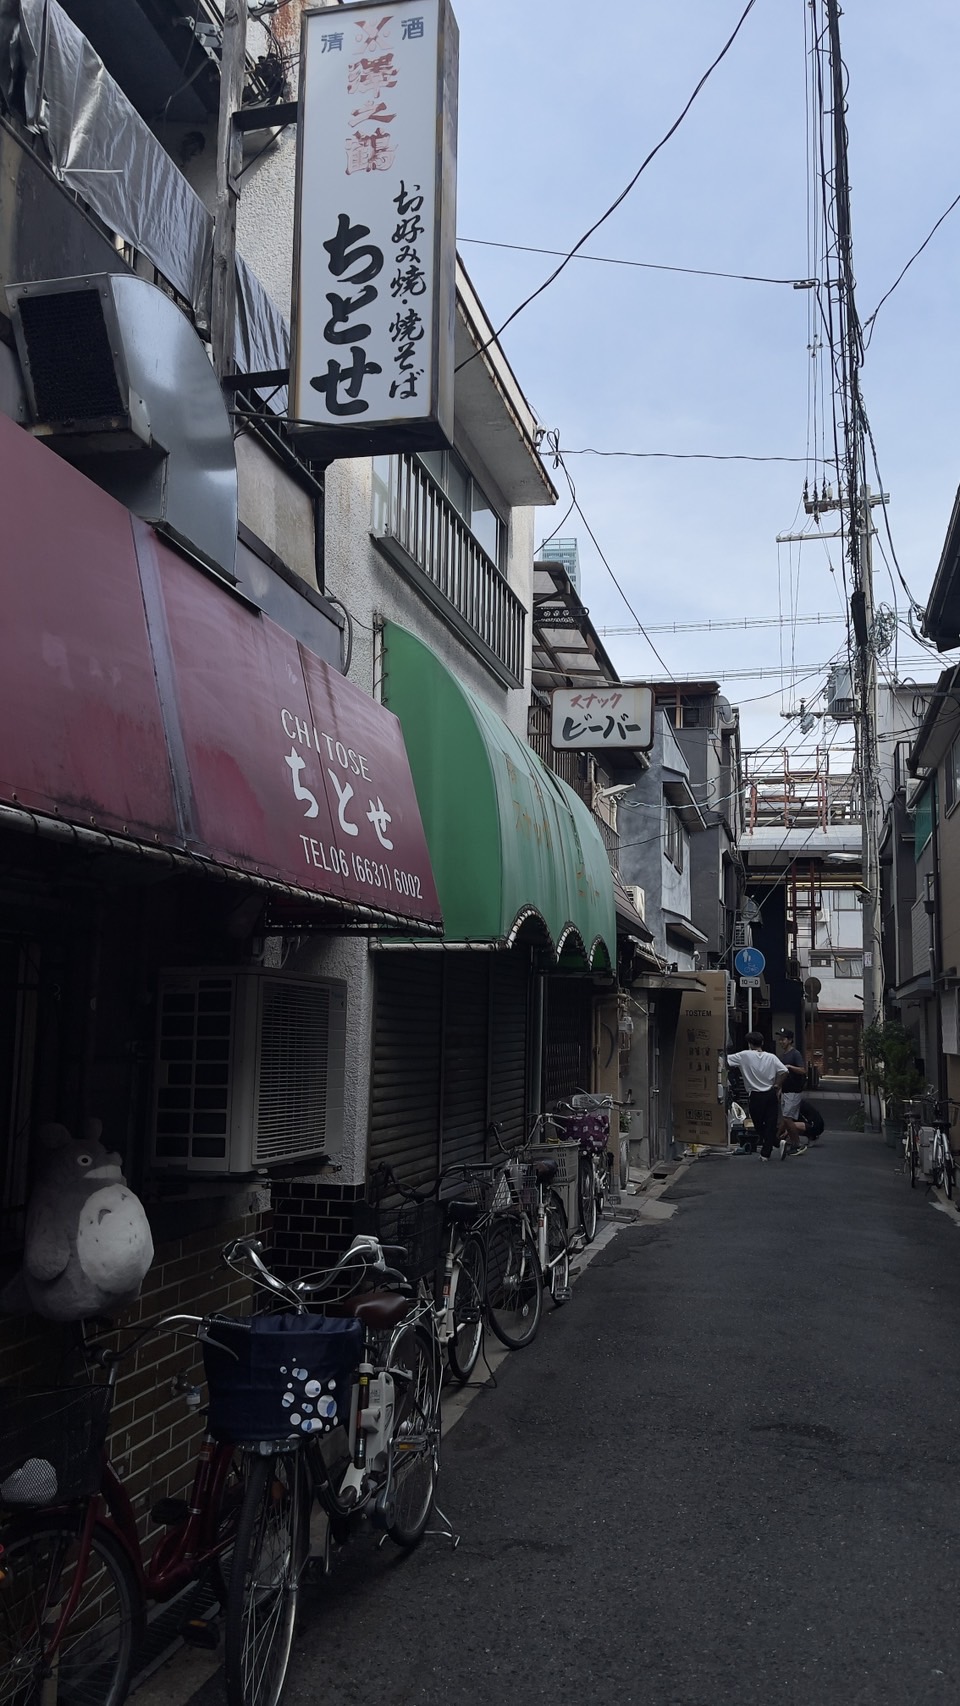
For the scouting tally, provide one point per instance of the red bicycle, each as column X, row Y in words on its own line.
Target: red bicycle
column 74, row 1581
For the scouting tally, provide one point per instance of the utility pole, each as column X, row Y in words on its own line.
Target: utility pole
column 223, row 306
column 862, row 614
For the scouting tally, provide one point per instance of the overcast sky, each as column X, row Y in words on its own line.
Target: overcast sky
column 559, row 104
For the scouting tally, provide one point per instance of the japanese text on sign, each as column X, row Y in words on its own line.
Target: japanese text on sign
column 617, row 717
column 374, row 321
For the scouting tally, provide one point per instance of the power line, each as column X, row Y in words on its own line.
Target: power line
column 620, row 198
column 868, row 323
column 739, row 622
column 647, row 266
column 684, row 455
column 768, row 671
column 554, row 440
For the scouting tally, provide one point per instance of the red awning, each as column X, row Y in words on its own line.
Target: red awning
column 141, row 697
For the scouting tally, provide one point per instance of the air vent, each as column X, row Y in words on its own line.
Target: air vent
column 119, row 383
column 70, row 365
column 249, row 1071
column 300, row 1055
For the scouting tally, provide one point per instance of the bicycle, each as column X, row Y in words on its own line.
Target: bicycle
column 444, row 1253
column 911, row 1145
column 943, row 1166
column 590, row 1127
column 73, row 1579
column 341, row 1409
column 527, row 1247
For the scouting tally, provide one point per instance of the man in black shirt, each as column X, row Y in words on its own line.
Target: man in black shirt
column 793, row 1087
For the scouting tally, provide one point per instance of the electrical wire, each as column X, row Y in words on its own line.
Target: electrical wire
column 619, row 199
column 554, row 441
column 868, row 324
column 647, row 266
column 683, row 455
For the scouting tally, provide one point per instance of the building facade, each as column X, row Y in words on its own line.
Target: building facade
column 287, row 890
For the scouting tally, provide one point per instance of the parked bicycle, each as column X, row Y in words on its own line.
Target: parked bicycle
column 943, row 1166
column 932, row 1136
column 342, row 1409
column 527, row 1245
column 911, row 1145
column 73, row 1579
column 441, row 1231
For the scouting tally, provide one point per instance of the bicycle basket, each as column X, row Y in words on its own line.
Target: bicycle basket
column 590, row 1130
column 51, row 1444
column 289, row 1375
column 418, row 1228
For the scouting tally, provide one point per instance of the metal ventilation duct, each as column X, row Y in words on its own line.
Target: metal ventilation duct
column 119, row 383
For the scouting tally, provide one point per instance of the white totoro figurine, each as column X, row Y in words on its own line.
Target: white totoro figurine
column 87, row 1244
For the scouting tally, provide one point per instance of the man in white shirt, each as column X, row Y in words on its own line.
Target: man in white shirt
column 763, row 1073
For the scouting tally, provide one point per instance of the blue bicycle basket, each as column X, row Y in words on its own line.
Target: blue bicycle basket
column 289, row 1375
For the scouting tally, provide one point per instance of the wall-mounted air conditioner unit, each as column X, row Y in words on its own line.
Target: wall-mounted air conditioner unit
column 742, row 934
column 639, row 898
column 249, row 1070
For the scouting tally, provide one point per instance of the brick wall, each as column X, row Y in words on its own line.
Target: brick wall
column 154, row 1438
column 313, row 1222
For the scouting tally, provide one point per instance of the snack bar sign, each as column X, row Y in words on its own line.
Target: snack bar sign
column 618, row 719
column 375, row 295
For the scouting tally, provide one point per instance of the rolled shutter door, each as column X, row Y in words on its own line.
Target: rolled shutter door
column 465, row 1057
column 509, row 1007
column 567, row 1055
column 405, row 1085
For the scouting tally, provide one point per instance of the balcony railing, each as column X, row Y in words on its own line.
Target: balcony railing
column 419, row 531
column 570, row 766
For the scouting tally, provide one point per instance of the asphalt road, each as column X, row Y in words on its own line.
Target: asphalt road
column 727, row 1471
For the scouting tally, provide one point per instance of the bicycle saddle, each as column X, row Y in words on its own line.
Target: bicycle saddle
column 461, row 1213
column 379, row 1308
column 545, row 1171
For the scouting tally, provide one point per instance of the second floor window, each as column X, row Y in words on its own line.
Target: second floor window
column 673, row 839
column 469, row 500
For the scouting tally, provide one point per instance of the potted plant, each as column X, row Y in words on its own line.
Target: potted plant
column 890, row 1068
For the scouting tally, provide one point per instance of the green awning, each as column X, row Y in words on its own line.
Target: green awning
column 509, row 842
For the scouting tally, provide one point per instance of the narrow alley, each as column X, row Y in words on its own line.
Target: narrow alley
column 726, row 1473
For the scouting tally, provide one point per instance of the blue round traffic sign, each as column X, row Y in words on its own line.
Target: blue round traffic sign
column 749, row 962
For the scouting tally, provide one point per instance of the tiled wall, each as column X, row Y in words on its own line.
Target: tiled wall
column 154, row 1437
column 312, row 1223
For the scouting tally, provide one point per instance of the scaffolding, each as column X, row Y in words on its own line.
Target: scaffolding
column 817, row 795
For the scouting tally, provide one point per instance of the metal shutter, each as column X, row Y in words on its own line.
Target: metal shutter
column 405, row 1087
column 465, row 1057
column 509, row 997
column 567, row 1054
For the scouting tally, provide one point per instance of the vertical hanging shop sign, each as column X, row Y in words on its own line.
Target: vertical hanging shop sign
column 375, row 287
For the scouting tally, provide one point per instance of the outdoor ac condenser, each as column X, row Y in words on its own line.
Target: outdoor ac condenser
column 248, row 1070
column 742, row 934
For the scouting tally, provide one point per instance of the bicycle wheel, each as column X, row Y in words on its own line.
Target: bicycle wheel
column 94, row 1660
column 464, row 1347
column 558, row 1253
column 913, row 1157
column 228, row 1521
column 415, row 1442
column 949, row 1168
column 514, row 1282
column 937, row 1160
column 587, row 1195
column 268, row 1559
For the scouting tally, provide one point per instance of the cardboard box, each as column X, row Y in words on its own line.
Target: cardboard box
column 699, row 1111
